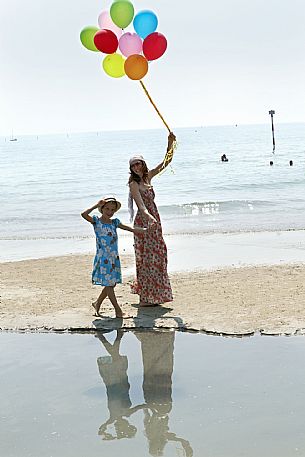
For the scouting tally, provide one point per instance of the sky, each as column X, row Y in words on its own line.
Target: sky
column 227, row 62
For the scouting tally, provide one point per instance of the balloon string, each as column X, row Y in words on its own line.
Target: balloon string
column 169, row 154
column 153, row 104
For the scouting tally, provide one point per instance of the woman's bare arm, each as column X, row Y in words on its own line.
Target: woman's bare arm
column 135, row 193
column 154, row 171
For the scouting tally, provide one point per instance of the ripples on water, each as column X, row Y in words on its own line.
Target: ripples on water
column 47, row 181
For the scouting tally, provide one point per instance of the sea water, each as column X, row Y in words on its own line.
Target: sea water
column 151, row 394
column 46, row 181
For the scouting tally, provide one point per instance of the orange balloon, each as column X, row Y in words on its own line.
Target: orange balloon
column 136, row 66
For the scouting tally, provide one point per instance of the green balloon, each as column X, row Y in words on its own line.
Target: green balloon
column 113, row 65
column 87, row 36
column 122, row 12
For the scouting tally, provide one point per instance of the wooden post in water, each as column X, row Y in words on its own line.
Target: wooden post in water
column 271, row 112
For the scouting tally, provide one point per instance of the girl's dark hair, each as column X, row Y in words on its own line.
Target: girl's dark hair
column 134, row 177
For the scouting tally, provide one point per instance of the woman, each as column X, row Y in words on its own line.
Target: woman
column 152, row 283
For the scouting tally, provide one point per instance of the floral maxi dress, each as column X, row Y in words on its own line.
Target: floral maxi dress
column 106, row 265
column 152, row 283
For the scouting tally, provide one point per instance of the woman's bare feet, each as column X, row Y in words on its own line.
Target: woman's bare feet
column 145, row 303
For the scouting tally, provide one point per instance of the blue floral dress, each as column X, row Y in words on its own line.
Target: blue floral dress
column 106, row 265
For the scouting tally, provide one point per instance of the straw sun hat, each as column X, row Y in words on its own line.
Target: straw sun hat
column 111, row 198
column 135, row 158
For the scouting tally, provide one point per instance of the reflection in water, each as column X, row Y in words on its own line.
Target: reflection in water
column 158, row 360
column 113, row 370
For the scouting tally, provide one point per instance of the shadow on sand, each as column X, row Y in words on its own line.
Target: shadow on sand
column 147, row 317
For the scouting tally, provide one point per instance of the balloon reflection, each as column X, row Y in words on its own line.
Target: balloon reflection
column 158, row 360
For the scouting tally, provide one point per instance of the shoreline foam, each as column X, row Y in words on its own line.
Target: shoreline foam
column 186, row 252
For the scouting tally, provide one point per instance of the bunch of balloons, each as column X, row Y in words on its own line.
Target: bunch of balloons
column 136, row 48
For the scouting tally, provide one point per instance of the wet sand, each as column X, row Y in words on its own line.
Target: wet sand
column 56, row 294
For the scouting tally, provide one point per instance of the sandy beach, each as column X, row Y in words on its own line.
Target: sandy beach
column 55, row 294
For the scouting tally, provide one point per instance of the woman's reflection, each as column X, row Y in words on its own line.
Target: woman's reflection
column 158, row 362
column 113, row 370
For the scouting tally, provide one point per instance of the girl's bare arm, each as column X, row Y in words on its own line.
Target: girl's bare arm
column 132, row 229
column 86, row 214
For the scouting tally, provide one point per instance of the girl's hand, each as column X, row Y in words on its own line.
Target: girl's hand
column 100, row 203
column 140, row 229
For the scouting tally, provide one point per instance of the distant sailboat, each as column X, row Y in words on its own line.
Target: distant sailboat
column 12, row 137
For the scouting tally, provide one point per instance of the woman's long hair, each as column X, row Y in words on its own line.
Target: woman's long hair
column 134, row 177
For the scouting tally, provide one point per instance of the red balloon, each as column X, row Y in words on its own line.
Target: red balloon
column 106, row 41
column 154, row 46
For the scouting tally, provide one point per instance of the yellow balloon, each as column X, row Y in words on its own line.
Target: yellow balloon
column 113, row 65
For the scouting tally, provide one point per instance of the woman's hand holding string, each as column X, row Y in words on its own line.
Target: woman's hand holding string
column 171, row 139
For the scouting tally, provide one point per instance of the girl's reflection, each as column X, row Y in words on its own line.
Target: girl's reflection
column 158, row 360
column 113, row 370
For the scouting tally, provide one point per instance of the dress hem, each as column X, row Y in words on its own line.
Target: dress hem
column 94, row 283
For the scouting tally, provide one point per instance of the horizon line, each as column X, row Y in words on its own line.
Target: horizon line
column 78, row 132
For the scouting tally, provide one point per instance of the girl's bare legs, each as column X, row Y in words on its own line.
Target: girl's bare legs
column 112, row 298
column 97, row 304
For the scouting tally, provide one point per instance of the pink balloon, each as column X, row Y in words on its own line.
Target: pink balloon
column 130, row 43
column 105, row 22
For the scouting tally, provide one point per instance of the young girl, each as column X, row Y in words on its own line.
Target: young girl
column 107, row 268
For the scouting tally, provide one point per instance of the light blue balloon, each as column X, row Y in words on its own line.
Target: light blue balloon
column 145, row 23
